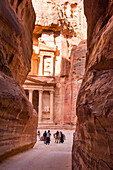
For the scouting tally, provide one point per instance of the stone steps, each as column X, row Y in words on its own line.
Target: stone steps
column 50, row 126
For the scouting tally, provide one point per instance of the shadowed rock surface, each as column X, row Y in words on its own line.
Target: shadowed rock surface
column 93, row 146
column 18, row 121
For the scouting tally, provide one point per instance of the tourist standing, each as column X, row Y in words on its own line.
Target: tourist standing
column 62, row 137
column 38, row 134
column 45, row 137
column 48, row 137
column 57, row 136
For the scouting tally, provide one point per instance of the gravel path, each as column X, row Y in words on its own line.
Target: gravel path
column 43, row 157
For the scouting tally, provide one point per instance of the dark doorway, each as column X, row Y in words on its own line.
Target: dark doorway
column 27, row 93
column 35, row 100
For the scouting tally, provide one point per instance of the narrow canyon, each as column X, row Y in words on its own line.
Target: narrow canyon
column 56, row 72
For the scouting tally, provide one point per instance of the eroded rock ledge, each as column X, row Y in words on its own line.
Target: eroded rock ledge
column 18, row 121
column 93, row 145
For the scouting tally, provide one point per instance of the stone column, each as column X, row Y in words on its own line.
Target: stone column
column 51, row 106
column 52, row 60
column 40, row 106
column 41, row 66
column 30, row 95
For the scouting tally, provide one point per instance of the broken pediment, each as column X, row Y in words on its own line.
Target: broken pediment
column 44, row 47
column 36, row 81
column 30, row 80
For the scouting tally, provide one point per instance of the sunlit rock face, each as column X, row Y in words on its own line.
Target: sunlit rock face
column 93, row 146
column 69, row 14
column 62, row 24
column 18, row 121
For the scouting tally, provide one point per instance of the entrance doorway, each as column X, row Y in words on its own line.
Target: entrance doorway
column 35, row 100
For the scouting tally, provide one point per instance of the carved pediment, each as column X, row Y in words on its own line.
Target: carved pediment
column 31, row 80
column 44, row 47
column 35, row 81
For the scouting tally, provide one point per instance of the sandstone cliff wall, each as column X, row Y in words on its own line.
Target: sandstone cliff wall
column 73, row 82
column 78, row 55
column 93, row 145
column 67, row 87
column 18, row 121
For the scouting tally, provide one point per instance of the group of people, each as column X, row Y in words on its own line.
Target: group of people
column 59, row 137
column 46, row 136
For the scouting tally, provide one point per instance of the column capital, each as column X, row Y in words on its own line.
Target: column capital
column 31, row 90
column 40, row 91
column 51, row 92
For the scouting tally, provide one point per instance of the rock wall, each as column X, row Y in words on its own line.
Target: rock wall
column 78, row 56
column 93, row 145
column 67, row 87
column 18, row 121
column 73, row 82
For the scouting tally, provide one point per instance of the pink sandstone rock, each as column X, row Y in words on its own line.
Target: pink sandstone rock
column 93, row 147
column 18, row 121
column 67, row 87
column 63, row 24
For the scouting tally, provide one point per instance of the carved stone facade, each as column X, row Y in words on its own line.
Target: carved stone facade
column 54, row 64
column 40, row 84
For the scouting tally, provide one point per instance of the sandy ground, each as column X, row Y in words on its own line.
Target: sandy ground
column 43, row 157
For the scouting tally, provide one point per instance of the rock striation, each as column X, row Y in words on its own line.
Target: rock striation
column 93, row 145
column 18, row 120
column 78, row 58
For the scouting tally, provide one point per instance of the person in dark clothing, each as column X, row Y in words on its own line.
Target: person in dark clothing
column 48, row 137
column 62, row 137
column 45, row 136
column 56, row 136
column 57, row 133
